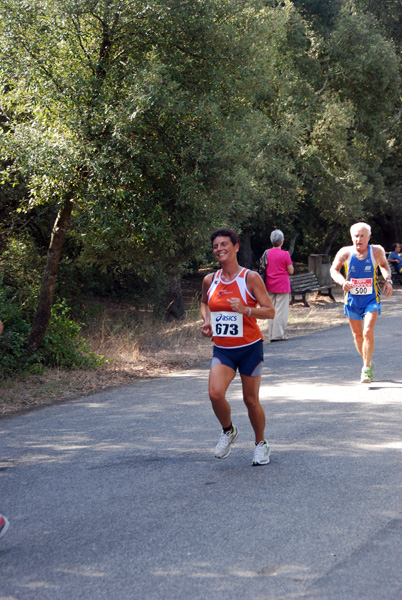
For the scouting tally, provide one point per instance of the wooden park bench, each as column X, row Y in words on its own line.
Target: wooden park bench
column 303, row 283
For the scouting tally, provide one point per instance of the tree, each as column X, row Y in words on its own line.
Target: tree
column 89, row 84
column 384, row 207
column 314, row 139
column 348, row 84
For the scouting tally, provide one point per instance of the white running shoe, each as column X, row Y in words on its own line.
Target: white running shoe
column 261, row 454
column 223, row 447
column 367, row 374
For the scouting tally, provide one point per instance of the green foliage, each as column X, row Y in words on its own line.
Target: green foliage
column 20, row 267
column 365, row 69
column 16, row 327
column 146, row 91
column 63, row 346
column 322, row 14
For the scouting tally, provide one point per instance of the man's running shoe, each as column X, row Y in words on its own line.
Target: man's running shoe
column 223, row 447
column 367, row 374
column 261, row 454
column 4, row 525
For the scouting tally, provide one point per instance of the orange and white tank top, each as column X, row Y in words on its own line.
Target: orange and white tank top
column 232, row 329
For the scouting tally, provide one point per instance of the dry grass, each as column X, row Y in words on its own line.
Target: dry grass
column 139, row 342
column 134, row 344
column 323, row 313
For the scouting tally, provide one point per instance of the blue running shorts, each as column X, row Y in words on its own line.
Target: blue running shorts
column 248, row 359
column 358, row 313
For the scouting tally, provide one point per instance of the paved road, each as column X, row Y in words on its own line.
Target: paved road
column 118, row 495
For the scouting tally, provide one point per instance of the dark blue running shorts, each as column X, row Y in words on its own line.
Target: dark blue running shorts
column 358, row 313
column 248, row 359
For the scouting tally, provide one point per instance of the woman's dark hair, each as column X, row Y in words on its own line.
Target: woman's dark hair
column 394, row 246
column 234, row 238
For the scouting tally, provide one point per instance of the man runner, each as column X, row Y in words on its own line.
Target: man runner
column 361, row 287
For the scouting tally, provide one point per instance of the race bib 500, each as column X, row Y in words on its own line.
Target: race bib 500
column 227, row 324
column 361, row 287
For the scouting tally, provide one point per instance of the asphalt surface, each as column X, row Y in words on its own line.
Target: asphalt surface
column 118, row 495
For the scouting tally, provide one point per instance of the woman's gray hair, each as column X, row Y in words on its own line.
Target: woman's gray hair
column 277, row 237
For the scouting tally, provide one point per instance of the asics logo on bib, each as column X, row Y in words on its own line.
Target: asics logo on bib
column 226, row 318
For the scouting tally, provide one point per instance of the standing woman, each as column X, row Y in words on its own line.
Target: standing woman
column 279, row 267
column 230, row 312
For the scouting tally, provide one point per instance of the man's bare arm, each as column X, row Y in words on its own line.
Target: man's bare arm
column 379, row 255
column 336, row 267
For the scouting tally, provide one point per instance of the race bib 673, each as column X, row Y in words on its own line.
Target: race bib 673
column 227, row 324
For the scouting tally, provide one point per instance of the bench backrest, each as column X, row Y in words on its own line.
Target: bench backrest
column 303, row 281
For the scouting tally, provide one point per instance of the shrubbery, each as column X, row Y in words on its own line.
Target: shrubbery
column 63, row 347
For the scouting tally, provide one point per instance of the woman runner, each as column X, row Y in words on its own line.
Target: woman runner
column 230, row 312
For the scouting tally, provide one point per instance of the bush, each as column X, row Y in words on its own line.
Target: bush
column 16, row 328
column 63, row 347
column 21, row 268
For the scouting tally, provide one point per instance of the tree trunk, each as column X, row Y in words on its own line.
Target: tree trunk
column 175, row 309
column 245, row 256
column 326, row 246
column 43, row 312
column 390, row 228
column 292, row 244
